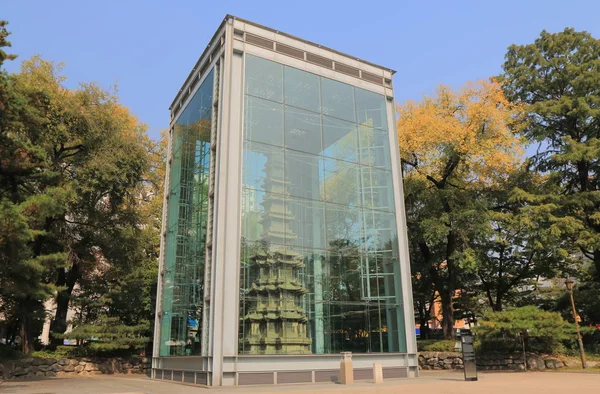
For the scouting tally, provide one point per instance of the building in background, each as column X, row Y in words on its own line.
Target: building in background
column 284, row 235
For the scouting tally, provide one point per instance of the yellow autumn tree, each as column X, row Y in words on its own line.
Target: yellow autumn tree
column 454, row 145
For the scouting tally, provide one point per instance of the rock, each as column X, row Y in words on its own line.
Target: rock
column 425, row 367
column 447, row 366
column 432, row 361
column 40, row 373
column 82, row 363
column 79, row 368
column 73, row 362
column 26, row 361
column 43, row 368
column 459, row 366
column 50, row 373
column 551, row 363
column 68, row 368
column 535, row 363
column 448, row 360
column 593, row 364
column 63, row 361
column 55, row 368
column 457, row 361
column 90, row 367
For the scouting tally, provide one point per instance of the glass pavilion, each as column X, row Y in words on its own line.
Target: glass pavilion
column 284, row 235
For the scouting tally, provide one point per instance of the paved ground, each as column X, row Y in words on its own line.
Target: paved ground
column 429, row 382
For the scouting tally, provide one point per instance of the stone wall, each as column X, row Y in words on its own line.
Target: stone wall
column 71, row 367
column 501, row 362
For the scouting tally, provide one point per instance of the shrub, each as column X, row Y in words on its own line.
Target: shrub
column 546, row 332
column 433, row 345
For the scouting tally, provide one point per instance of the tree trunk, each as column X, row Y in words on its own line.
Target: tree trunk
column 447, row 298
column 25, row 333
column 59, row 323
column 597, row 264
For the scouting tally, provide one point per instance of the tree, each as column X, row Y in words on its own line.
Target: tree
column 558, row 78
column 28, row 197
column 521, row 239
column 453, row 147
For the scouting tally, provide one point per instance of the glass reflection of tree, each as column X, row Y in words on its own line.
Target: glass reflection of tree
column 274, row 321
column 194, row 145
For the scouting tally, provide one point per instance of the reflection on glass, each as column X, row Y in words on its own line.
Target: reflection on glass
column 305, row 174
column 303, row 130
column 302, row 89
column 337, row 100
column 319, row 272
column 264, row 121
column 264, row 79
column 255, row 157
column 374, row 147
column 370, row 109
column 187, row 210
column 342, row 182
column 339, row 139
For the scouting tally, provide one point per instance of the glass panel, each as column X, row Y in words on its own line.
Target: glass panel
column 337, row 100
column 377, row 190
column 264, row 121
column 370, row 109
column 302, row 130
column 187, row 212
column 252, row 229
column 306, row 223
column 379, row 230
column 302, row 89
column 339, row 139
column 342, row 182
column 343, row 226
column 261, row 162
column 374, row 147
column 304, row 173
column 319, row 240
column 264, row 78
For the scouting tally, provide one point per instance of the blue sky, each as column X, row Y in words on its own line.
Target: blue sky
column 148, row 47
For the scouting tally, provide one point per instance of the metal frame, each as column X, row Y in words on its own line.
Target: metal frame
column 220, row 360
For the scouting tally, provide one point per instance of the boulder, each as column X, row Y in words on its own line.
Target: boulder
column 68, row 368
column 63, row 361
column 551, row 363
column 90, row 367
column 535, row 363
column 55, row 368
column 432, row 361
column 79, row 368
column 50, row 373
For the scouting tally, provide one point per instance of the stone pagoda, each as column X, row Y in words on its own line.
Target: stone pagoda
column 275, row 322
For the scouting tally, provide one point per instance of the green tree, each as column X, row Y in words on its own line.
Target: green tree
column 547, row 329
column 521, row 238
column 558, row 78
column 28, row 196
